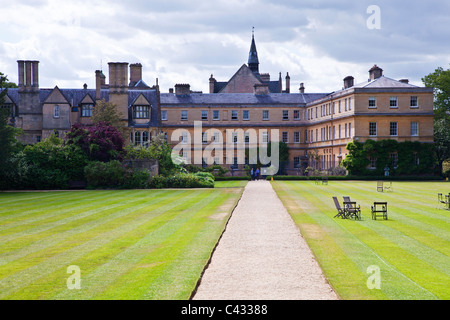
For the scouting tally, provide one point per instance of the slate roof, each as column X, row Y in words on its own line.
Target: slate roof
column 171, row 99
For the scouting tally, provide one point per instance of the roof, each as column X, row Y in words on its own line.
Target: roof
column 170, row 99
column 384, row 82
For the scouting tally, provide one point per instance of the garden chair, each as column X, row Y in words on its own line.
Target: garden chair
column 380, row 186
column 351, row 208
column 341, row 212
column 379, row 209
column 389, row 188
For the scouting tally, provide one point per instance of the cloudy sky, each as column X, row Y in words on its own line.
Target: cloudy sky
column 319, row 42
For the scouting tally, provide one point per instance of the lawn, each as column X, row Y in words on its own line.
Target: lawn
column 406, row 257
column 126, row 244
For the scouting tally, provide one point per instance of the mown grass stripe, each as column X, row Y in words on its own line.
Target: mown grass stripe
column 317, row 194
column 66, row 256
column 47, row 240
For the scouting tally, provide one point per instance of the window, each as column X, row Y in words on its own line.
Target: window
column 204, row 115
column 245, row 115
column 145, row 138
column 234, row 115
column 141, row 112
column 393, row 103
column 372, row 129
column 38, row 138
column 372, row 102
column 204, row 137
column 349, row 104
column 164, row 115
column 216, row 137
column 393, row 131
column 414, row 102
column 235, row 137
column 137, row 138
column 265, row 137
column 297, row 137
column 296, row 162
column 265, row 114
column 247, row 137
column 296, row 114
column 184, row 115
column 285, row 114
column 184, row 138
column 216, row 115
column 345, row 104
column 285, row 137
column 346, row 130
column 414, row 129
column 350, row 130
column 339, row 131
column 86, row 110
column 56, row 112
column 394, row 159
column 373, row 163
column 339, row 106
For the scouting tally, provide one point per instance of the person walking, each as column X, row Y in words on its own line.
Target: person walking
column 252, row 174
column 257, row 174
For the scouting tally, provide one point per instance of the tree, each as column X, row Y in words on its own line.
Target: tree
column 440, row 81
column 107, row 112
column 8, row 134
column 100, row 142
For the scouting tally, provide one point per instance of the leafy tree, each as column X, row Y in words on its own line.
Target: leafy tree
column 8, row 142
column 107, row 112
column 440, row 81
column 100, row 142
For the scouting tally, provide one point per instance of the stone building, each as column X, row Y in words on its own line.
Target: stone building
column 316, row 126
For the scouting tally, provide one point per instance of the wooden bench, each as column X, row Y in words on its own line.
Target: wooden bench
column 379, row 209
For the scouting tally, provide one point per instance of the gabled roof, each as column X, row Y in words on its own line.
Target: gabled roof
column 385, row 82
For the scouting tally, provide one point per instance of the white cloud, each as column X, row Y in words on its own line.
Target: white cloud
column 317, row 42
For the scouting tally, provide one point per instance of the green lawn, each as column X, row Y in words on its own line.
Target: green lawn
column 411, row 249
column 127, row 244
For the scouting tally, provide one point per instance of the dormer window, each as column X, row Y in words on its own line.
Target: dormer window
column 141, row 112
column 86, row 110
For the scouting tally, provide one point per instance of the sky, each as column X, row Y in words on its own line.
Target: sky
column 318, row 42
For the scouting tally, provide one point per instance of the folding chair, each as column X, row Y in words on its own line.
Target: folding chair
column 341, row 212
column 351, row 209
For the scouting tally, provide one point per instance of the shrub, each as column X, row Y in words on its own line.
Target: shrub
column 105, row 174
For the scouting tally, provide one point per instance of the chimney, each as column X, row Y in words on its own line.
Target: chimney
column 28, row 75
column 302, row 88
column 99, row 82
column 265, row 77
column 135, row 73
column 182, row 89
column 375, row 72
column 348, row 82
column 212, row 83
column 118, row 75
column 21, row 81
column 404, row 81
column 170, row 90
column 288, row 83
column 261, row 88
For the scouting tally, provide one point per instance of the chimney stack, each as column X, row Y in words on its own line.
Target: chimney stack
column 212, row 82
column 99, row 83
column 182, row 89
column 28, row 75
column 404, row 81
column 375, row 72
column 302, row 88
column 288, row 83
column 118, row 76
column 348, row 82
column 135, row 73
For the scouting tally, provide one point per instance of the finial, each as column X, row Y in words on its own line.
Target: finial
column 253, row 31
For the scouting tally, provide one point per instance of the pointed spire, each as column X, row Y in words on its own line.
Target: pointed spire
column 253, row 61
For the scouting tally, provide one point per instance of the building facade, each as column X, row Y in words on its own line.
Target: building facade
column 316, row 126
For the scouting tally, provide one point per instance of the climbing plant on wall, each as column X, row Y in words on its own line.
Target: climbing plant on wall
column 402, row 158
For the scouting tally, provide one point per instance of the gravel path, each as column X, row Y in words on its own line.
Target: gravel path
column 262, row 255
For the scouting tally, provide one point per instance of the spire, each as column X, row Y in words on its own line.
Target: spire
column 253, row 62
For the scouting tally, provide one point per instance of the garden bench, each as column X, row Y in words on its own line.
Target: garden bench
column 444, row 200
column 341, row 212
column 379, row 209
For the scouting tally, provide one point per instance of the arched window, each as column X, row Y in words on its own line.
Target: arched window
column 137, row 138
column 145, row 138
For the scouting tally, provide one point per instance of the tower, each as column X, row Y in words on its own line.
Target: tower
column 253, row 61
